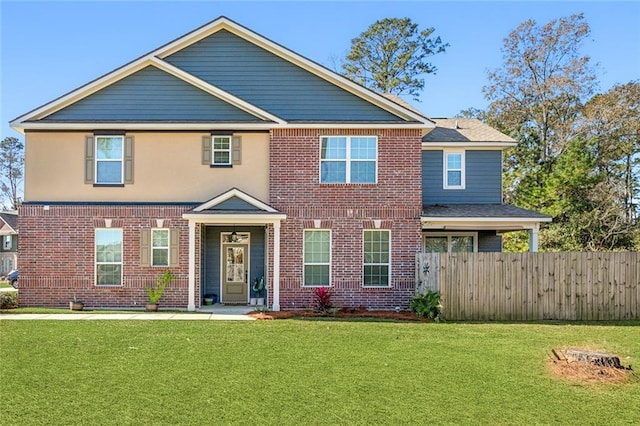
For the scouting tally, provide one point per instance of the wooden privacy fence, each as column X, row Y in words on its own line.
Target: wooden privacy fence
column 533, row 286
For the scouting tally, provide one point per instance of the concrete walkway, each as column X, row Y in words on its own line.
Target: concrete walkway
column 130, row 316
column 215, row 312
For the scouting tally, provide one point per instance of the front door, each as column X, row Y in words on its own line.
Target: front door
column 235, row 270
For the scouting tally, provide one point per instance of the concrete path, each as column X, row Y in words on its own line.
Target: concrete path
column 129, row 316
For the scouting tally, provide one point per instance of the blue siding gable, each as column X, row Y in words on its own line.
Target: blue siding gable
column 483, row 179
column 272, row 83
column 151, row 95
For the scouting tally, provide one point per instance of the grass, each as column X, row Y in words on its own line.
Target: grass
column 305, row 372
column 5, row 284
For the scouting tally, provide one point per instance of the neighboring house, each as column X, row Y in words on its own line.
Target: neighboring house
column 227, row 158
column 9, row 241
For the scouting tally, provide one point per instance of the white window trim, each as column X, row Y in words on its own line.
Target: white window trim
column 305, row 263
column 426, row 235
column 348, row 160
column 167, row 248
column 377, row 264
column 110, row 160
column 95, row 258
column 445, row 182
column 214, row 150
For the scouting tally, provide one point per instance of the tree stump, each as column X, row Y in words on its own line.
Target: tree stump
column 595, row 358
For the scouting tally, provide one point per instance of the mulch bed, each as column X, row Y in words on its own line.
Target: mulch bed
column 341, row 313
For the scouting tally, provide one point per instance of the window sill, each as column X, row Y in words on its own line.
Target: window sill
column 383, row 287
column 108, row 185
column 221, row 166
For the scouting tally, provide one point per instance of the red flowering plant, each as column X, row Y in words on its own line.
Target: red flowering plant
column 322, row 300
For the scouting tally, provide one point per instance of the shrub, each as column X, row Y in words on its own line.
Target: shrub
column 8, row 299
column 427, row 305
column 322, row 300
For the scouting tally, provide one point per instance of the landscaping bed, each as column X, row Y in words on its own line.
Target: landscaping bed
column 341, row 313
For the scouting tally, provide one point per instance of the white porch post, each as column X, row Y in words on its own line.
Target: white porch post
column 276, row 266
column 192, row 266
column 533, row 238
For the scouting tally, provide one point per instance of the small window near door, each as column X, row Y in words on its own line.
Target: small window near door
column 159, row 247
column 452, row 243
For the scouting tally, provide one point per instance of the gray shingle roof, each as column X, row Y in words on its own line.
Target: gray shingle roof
column 480, row 210
column 467, row 130
column 10, row 219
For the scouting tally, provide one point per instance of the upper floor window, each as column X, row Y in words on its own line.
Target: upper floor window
column 348, row 159
column 7, row 240
column 454, row 170
column 221, row 150
column 109, row 159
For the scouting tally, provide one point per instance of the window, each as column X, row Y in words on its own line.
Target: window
column 453, row 243
column 317, row 257
column 348, row 159
column 221, row 150
column 109, row 159
column 108, row 257
column 376, row 258
column 454, row 176
column 6, row 242
column 159, row 247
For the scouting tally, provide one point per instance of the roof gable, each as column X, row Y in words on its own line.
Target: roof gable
column 9, row 222
column 151, row 94
column 271, row 82
column 402, row 116
column 234, row 200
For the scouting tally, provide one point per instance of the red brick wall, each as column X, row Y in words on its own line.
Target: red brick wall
column 57, row 255
column 347, row 209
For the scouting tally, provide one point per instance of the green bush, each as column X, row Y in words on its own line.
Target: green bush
column 8, row 299
column 427, row 305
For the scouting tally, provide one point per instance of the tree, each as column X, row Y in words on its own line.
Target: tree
column 391, row 55
column 542, row 85
column 11, row 166
column 612, row 119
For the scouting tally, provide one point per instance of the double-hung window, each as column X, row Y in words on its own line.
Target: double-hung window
column 160, row 247
column 377, row 258
column 108, row 256
column 221, row 151
column 454, row 170
column 317, row 257
column 109, row 160
column 348, row 159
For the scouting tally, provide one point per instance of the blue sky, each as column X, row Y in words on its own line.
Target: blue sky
column 49, row 48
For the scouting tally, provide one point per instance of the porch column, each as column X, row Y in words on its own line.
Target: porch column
column 533, row 238
column 192, row 266
column 276, row 266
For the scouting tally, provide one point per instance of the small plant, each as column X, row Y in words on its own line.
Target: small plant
column 322, row 300
column 162, row 281
column 258, row 287
column 427, row 305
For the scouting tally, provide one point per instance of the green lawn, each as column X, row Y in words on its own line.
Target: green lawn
column 295, row 372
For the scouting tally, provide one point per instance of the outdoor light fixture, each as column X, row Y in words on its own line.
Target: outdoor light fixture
column 234, row 235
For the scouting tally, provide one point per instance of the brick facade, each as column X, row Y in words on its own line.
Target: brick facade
column 57, row 255
column 393, row 203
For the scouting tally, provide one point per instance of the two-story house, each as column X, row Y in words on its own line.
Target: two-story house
column 228, row 158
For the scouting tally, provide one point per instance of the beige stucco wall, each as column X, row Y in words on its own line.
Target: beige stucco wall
column 167, row 167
